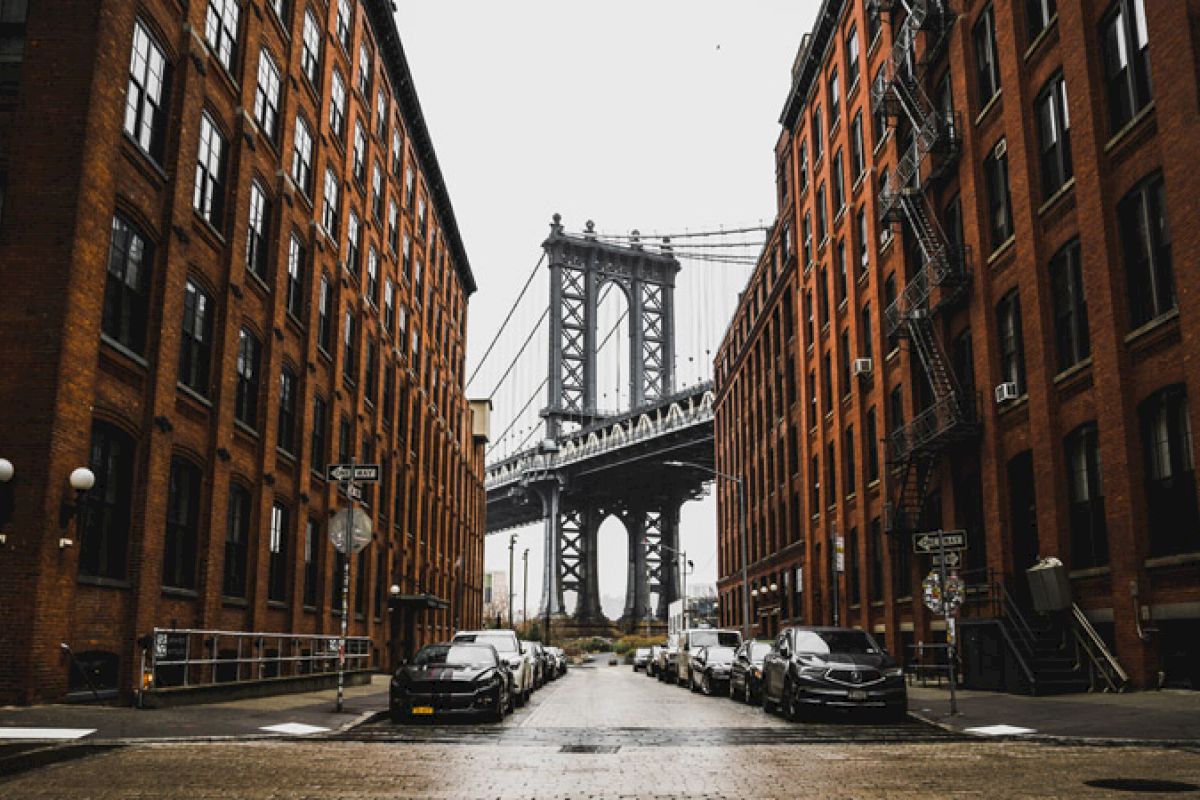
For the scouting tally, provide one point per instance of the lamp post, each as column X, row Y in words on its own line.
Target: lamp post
column 682, row 556
column 741, row 501
column 525, row 592
column 6, row 502
column 82, row 480
column 512, row 542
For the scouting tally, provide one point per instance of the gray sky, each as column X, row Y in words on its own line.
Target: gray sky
column 659, row 115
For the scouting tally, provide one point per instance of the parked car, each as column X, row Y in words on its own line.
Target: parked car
column 537, row 662
column 652, row 660
column 449, row 680
column 641, row 657
column 514, row 655
column 745, row 675
column 560, row 660
column 812, row 668
column 710, row 669
column 665, row 670
column 689, row 640
column 549, row 663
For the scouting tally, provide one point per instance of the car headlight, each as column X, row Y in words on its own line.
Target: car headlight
column 757, row 672
column 894, row 672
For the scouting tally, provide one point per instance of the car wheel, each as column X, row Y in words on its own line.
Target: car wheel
column 497, row 712
column 767, row 703
column 790, row 707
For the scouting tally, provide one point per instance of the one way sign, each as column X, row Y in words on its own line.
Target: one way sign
column 935, row 541
column 365, row 473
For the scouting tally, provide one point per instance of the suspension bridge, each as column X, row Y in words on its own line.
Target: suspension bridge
column 599, row 386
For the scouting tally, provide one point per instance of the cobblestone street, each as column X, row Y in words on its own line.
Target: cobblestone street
column 638, row 737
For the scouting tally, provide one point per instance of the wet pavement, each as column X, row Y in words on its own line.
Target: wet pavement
column 608, row 732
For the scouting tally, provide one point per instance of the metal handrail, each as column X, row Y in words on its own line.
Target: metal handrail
column 1105, row 662
column 1012, row 610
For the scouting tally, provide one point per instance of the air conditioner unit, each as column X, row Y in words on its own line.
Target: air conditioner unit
column 863, row 367
column 1006, row 391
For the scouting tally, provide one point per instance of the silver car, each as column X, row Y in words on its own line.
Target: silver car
column 514, row 654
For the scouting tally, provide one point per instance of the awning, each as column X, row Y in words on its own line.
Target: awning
column 417, row 601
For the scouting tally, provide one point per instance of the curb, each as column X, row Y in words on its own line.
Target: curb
column 365, row 718
column 1063, row 739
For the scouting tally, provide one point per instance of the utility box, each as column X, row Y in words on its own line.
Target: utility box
column 1049, row 586
column 481, row 420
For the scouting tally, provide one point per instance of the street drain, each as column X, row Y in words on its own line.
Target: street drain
column 1141, row 785
column 589, row 748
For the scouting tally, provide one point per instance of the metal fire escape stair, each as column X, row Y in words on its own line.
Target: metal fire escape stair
column 915, row 449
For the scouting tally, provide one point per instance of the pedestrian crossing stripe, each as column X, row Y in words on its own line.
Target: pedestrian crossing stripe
column 294, row 728
column 44, row 733
column 1000, row 730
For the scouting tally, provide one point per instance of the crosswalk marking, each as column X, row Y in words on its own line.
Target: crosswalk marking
column 293, row 728
column 1000, row 730
column 45, row 733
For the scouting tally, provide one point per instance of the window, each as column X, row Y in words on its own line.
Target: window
column 350, row 348
column 822, row 215
column 371, row 373
column 1012, row 348
column 853, row 581
column 249, row 355
column 408, row 187
column 277, row 555
column 372, row 275
column 818, row 144
column 839, row 185
column 852, row 59
column 807, row 243
column 312, row 538
column 397, row 151
column 877, row 548
column 389, row 305
column 803, row 167
column 146, row 98
column 195, row 349
column 1054, row 135
column 831, row 474
column 896, row 409
column 376, row 192
column 295, row 281
column 879, row 114
column 266, row 96
column 1170, row 473
column 871, row 445
column 864, row 331
column 858, row 158
column 1089, row 530
column 256, row 238
column 987, row 65
column 310, row 55
column 381, row 114
column 827, row 382
column 209, row 195
column 237, row 539
column 317, row 434
column 337, row 105
column 12, row 43
column 874, row 23
column 889, row 300
column 814, row 480
column 302, row 144
column 1070, row 307
column 808, row 317
column 861, row 243
column 353, row 242
column 221, row 30
column 183, row 523
column 1125, row 44
column 845, row 362
column 1038, row 16
column 848, row 457
column 835, row 101
column 126, row 287
column 360, row 153
column 286, row 439
column 422, row 218
column 1146, row 245
column 364, row 70
column 842, row 278
column 394, row 232
column 324, row 313
column 331, row 208
column 343, row 23
column 823, row 296
column 995, row 170
column 104, row 534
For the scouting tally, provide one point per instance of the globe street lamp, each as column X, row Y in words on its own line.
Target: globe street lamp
column 741, row 500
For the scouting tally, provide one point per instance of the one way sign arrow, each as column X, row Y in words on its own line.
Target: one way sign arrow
column 936, row 540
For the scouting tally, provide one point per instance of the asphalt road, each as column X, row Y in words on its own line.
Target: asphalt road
column 608, row 732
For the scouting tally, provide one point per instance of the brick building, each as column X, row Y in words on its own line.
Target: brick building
column 975, row 312
column 228, row 258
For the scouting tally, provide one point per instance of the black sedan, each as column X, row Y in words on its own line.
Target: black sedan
column 710, row 669
column 451, row 680
column 745, row 675
column 840, row 668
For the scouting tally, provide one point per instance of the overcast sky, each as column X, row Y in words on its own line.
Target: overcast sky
column 658, row 115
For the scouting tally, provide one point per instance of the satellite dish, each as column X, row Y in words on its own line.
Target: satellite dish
column 360, row 529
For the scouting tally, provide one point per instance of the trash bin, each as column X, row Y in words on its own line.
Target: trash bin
column 1049, row 586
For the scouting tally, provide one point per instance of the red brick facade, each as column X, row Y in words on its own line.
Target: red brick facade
column 68, row 167
column 1010, row 486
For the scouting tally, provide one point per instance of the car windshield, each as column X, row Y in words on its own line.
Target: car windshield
column 503, row 643
column 759, row 650
column 824, row 642
column 456, row 654
column 642, row 651
column 723, row 638
column 719, row 654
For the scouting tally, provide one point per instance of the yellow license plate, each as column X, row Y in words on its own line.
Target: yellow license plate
column 422, row 710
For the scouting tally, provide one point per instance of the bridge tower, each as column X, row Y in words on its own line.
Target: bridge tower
column 581, row 267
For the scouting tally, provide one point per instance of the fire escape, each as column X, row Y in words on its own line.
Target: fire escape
column 915, row 450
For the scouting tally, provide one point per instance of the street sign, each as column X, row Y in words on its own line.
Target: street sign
column 953, row 559
column 365, row 473
column 360, row 530
column 354, row 491
column 934, row 541
column 839, row 559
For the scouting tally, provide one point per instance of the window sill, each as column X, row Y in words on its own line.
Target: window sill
column 886, row 244
column 1072, row 371
column 143, row 159
column 873, row 483
column 124, row 351
column 286, row 454
column 180, row 592
column 887, row 134
column 1042, row 37
column 276, row 604
column 242, row 427
column 234, row 602
column 1012, row 406
column 107, row 583
column 895, row 351
column 1128, row 128
column 1093, row 572
column 192, row 394
column 999, row 253
column 260, row 282
column 988, row 107
column 1172, row 561
column 310, row 609
column 876, row 604
column 1153, row 325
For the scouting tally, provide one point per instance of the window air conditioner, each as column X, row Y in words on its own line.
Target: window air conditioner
column 863, row 367
column 1006, row 391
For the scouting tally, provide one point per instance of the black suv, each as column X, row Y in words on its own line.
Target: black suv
column 813, row 668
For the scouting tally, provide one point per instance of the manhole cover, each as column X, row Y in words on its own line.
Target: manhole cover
column 589, row 748
column 1141, row 785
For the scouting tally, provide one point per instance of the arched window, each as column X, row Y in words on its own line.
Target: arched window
column 105, row 530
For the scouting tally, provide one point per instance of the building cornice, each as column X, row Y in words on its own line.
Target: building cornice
column 810, row 60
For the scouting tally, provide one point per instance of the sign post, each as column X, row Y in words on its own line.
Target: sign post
column 355, row 537
column 945, row 547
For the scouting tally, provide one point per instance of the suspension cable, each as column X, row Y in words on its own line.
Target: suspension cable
column 536, row 327
column 516, row 417
column 508, row 317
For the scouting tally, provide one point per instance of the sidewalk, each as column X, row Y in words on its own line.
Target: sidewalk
column 301, row 713
column 1170, row 715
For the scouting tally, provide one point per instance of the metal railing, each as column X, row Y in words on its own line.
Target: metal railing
column 176, row 657
column 1102, row 663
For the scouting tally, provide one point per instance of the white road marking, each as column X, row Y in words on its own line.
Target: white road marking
column 1000, row 730
column 45, row 733
column 294, row 728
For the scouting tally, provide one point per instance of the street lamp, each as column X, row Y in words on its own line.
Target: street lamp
column 741, row 500
column 82, row 480
column 512, row 542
